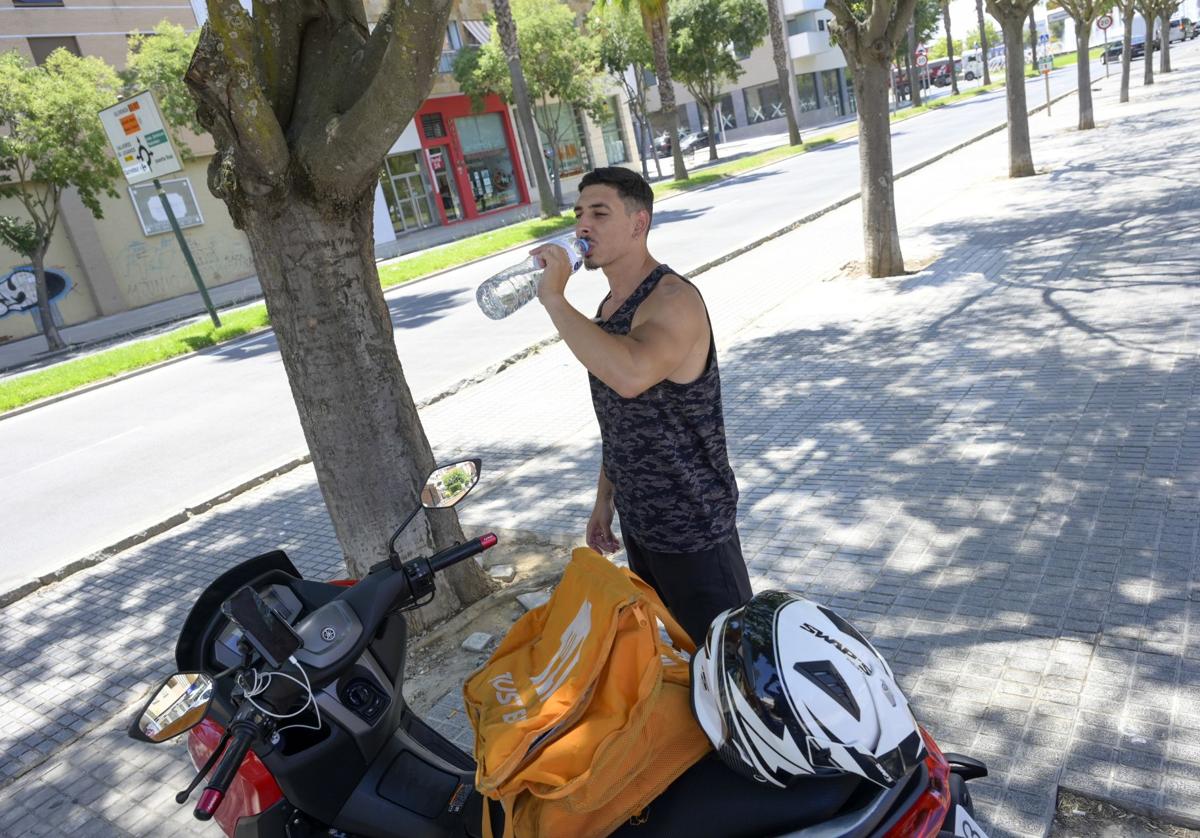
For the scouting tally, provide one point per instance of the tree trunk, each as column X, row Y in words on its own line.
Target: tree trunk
column 1033, row 38
column 558, row 195
column 1020, row 156
column 302, row 102
column 713, row 130
column 642, row 146
column 1164, row 64
column 780, row 54
column 914, row 72
column 950, row 48
column 881, row 235
column 371, row 461
column 506, row 28
column 1083, row 74
column 1127, row 48
column 656, row 28
column 54, row 341
column 646, row 126
column 1148, row 76
column 983, row 44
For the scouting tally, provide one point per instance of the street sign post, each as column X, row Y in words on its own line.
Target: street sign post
column 1046, row 63
column 143, row 148
column 1104, row 22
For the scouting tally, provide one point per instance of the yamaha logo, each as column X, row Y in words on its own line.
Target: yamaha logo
column 329, row 634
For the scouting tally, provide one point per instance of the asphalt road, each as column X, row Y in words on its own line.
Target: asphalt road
column 86, row 472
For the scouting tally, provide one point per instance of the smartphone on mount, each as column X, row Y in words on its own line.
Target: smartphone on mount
column 269, row 634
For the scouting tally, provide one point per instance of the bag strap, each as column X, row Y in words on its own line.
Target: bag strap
column 508, row 805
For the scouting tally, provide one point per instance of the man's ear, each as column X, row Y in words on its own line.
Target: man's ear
column 641, row 222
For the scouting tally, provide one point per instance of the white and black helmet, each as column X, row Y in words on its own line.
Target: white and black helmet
column 785, row 688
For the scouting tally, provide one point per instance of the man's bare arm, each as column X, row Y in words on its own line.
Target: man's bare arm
column 631, row 364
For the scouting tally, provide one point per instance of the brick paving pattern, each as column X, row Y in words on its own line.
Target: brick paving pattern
column 991, row 466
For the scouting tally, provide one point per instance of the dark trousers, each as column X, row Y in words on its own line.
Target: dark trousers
column 695, row 587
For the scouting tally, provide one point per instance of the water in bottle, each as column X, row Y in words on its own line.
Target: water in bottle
column 513, row 287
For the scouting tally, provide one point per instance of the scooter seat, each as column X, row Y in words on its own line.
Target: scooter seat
column 711, row 801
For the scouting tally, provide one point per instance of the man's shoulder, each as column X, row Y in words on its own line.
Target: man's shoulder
column 676, row 295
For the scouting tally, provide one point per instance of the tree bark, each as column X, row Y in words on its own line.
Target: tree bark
column 713, row 130
column 1020, row 155
column 983, row 44
column 311, row 263
column 1164, row 63
column 506, row 28
column 950, row 48
column 1083, row 74
column 780, row 55
column 1149, row 16
column 645, row 118
column 914, row 72
column 1126, row 50
column 881, row 234
column 657, row 29
column 1033, row 39
column 54, row 341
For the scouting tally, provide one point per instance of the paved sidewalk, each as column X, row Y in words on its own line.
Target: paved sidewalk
column 992, row 467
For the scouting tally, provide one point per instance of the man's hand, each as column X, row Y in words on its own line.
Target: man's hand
column 599, row 529
column 556, row 272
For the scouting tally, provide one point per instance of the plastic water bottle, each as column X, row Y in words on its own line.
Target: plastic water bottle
column 513, row 287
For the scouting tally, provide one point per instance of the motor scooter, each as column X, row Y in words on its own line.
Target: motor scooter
column 290, row 691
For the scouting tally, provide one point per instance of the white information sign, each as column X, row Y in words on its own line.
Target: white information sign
column 138, row 136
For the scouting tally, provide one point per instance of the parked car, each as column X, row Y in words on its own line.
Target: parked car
column 1113, row 52
column 939, row 71
column 1178, row 31
column 662, row 144
column 689, row 143
column 971, row 67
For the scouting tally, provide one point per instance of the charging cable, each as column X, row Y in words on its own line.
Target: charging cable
column 263, row 682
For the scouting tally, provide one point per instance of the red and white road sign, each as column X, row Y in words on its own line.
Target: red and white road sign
column 1105, row 21
column 921, row 59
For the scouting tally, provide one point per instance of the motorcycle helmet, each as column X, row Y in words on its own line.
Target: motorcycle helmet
column 786, row 688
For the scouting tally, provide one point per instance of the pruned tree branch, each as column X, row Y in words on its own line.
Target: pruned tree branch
column 403, row 50
column 224, row 77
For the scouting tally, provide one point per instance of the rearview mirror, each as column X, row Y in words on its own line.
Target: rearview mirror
column 447, row 485
column 178, row 705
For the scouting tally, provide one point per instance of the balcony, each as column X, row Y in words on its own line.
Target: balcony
column 791, row 8
column 808, row 43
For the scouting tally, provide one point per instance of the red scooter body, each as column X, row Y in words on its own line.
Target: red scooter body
column 253, row 790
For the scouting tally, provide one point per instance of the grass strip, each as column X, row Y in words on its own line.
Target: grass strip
column 71, row 375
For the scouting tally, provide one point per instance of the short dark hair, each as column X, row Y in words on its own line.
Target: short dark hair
column 632, row 187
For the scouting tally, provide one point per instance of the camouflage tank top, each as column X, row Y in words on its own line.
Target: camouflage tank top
column 664, row 450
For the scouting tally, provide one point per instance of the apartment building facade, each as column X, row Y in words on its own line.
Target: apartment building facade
column 818, row 83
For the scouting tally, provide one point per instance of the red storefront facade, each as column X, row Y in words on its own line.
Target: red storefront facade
column 472, row 158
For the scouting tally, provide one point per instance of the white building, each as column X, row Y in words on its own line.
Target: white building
column 818, row 83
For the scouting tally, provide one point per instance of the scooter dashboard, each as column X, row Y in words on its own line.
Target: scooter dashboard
column 280, row 598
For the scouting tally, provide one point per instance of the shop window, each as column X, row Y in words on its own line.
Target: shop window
column 851, row 103
column 406, row 192
column 489, row 162
column 806, row 92
column 723, row 111
column 832, row 91
column 615, row 144
column 763, row 103
column 42, row 47
column 565, row 124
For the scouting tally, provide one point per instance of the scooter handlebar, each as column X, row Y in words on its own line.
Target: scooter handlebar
column 456, row 554
column 244, row 734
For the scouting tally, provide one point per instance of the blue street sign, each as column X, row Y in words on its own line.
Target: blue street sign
column 1043, row 38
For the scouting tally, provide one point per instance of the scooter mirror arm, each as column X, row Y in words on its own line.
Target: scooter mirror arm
column 395, row 559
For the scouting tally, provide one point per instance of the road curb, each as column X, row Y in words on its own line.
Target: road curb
column 15, row 594
column 92, row 559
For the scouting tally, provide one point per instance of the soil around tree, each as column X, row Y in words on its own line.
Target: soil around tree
column 1085, row 817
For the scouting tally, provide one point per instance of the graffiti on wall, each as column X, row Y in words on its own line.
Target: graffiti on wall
column 18, row 289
